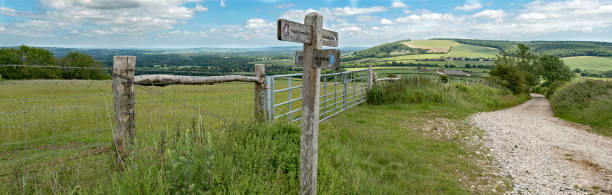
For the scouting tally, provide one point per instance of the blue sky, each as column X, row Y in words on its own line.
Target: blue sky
column 242, row 23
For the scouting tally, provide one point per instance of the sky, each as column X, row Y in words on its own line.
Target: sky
column 252, row 23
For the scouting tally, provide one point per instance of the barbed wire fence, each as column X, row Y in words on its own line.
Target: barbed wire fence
column 54, row 130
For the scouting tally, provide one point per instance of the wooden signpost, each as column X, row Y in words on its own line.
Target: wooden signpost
column 312, row 58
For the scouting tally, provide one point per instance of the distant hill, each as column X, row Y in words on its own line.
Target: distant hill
column 585, row 55
column 558, row 48
column 386, row 50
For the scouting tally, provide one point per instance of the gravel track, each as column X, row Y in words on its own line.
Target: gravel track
column 546, row 155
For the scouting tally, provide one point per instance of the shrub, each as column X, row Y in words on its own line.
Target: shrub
column 509, row 76
column 444, row 78
column 375, row 96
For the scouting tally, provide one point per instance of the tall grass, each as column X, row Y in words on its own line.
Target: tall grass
column 467, row 98
column 587, row 102
column 369, row 149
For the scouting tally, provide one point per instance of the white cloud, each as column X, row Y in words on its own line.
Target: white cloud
column 425, row 17
column 349, row 29
column 385, row 21
column 398, row 4
column 469, row 6
column 129, row 16
column 570, row 15
column 367, row 18
column 348, row 11
column 281, row 6
column 143, row 21
column 7, row 11
column 222, row 3
column 492, row 14
column 257, row 23
column 200, row 8
column 532, row 16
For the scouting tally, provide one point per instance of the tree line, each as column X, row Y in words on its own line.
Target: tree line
column 74, row 65
column 522, row 70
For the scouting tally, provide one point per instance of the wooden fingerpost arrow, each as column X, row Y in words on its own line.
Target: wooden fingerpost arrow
column 312, row 58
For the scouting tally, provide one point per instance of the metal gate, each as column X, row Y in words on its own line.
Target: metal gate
column 339, row 92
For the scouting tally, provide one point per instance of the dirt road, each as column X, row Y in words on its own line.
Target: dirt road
column 544, row 154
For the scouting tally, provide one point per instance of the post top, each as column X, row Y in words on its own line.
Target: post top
column 313, row 14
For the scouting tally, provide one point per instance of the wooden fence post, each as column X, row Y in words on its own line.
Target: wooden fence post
column 310, row 108
column 260, row 73
column 374, row 77
column 370, row 77
column 123, row 98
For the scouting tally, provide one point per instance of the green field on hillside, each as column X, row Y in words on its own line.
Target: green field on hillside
column 413, row 57
column 589, row 63
column 432, row 43
column 473, row 51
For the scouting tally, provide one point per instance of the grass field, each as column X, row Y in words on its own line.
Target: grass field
column 216, row 154
column 48, row 125
column 413, row 57
column 428, row 44
column 589, row 63
column 473, row 51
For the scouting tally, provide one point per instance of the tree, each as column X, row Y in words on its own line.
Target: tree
column 28, row 56
column 554, row 69
column 39, row 57
column 10, row 56
column 527, row 62
column 509, row 74
column 89, row 68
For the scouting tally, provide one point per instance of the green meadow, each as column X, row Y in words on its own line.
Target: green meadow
column 201, row 139
column 589, row 63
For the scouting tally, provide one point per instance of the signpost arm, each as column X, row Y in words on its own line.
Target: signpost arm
column 310, row 105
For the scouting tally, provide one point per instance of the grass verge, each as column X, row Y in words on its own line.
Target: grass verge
column 586, row 102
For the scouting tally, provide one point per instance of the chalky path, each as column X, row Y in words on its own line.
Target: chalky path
column 544, row 154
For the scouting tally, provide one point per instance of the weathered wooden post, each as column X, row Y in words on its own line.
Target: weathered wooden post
column 310, row 109
column 123, row 97
column 312, row 58
column 374, row 78
column 260, row 74
column 370, row 77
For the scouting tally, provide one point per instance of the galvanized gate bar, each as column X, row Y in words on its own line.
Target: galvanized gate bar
column 353, row 92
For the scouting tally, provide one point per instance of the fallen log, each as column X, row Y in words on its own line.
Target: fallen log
column 165, row 80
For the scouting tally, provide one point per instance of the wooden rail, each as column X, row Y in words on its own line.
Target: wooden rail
column 389, row 79
column 165, row 80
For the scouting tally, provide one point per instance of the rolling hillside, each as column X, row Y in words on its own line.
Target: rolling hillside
column 593, row 56
column 558, row 48
column 589, row 63
column 473, row 51
column 434, row 46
